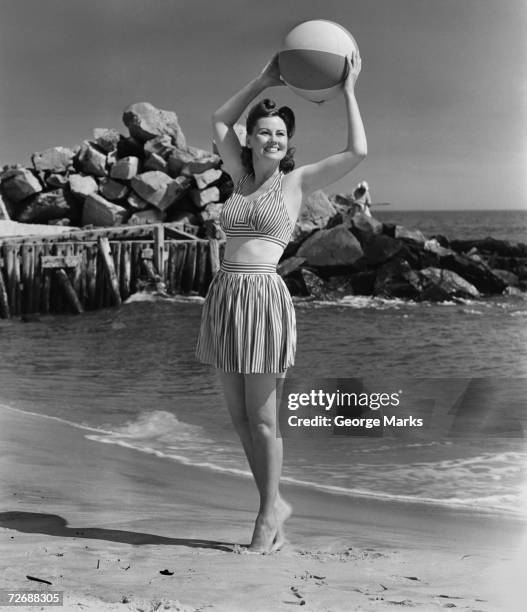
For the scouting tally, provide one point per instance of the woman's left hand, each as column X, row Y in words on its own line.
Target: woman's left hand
column 353, row 71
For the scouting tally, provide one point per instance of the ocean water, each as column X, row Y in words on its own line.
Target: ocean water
column 129, row 377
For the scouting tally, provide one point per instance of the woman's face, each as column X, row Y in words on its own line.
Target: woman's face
column 268, row 139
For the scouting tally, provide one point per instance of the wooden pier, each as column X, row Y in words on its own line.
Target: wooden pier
column 90, row 269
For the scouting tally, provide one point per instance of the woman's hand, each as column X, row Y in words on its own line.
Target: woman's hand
column 270, row 75
column 353, row 70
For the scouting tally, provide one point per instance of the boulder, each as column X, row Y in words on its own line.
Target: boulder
column 56, row 181
column 478, row 273
column 202, row 198
column 113, row 190
column 144, row 121
column 43, row 207
column 212, row 230
column 56, row 159
column 106, row 139
column 20, row 185
column 334, row 247
column 364, row 227
column 211, row 212
column 490, row 245
column 98, row 211
column 159, row 189
column 316, row 211
column 240, row 132
column 4, row 213
column 129, row 147
column 90, row 160
column 204, row 179
column 160, row 145
column 441, row 285
column 155, row 162
column 149, row 215
column 332, row 290
column 507, row 277
column 182, row 216
column 191, row 160
column 125, row 168
column 396, row 279
column 433, row 246
column 136, row 202
column 82, row 186
column 407, row 234
column 289, row 265
column 381, row 248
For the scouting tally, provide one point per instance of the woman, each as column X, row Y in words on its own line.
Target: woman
column 248, row 329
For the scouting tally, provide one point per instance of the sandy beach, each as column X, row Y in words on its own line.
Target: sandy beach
column 100, row 522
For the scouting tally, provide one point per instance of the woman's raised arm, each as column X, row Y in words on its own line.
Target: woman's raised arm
column 225, row 117
column 330, row 169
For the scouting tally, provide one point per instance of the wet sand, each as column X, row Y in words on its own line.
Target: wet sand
column 101, row 522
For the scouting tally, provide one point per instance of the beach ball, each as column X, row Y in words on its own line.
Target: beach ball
column 312, row 60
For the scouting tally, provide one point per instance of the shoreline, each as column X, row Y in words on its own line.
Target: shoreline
column 100, row 523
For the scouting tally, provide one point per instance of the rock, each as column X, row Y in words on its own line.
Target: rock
column 315, row 212
column 125, row 168
column 490, row 245
column 381, row 248
column 57, row 181
column 289, row 265
column 149, row 215
column 363, row 282
column 20, row 185
column 204, row 179
column 334, row 247
column 211, row 211
column 205, row 196
column 129, row 147
column 396, row 279
column 106, row 139
column 407, row 234
column 90, row 160
column 477, row 273
column 145, row 121
column 43, row 207
column 191, row 160
column 161, row 146
column 159, row 189
column 136, row 203
column 113, row 190
column 225, row 186
column 441, row 285
column 182, row 216
column 212, row 230
column 60, row 222
column 98, row 212
column 433, row 246
column 155, row 162
column 509, row 278
column 364, row 227
column 56, row 159
column 4, row 213
column 82, row 186
column 319, row 289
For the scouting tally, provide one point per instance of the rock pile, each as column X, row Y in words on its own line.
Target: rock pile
column 334, row 253
column 149, row 176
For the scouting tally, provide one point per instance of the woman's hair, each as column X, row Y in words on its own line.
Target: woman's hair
column 267, row 108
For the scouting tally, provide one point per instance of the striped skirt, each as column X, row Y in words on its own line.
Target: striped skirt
column 248, row 321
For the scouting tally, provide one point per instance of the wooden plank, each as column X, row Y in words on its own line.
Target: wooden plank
column 17, row 280
column 71, row 297
column 5, row 312
column 45, row 283
column 172, row 232
column 91, row 274
column 109, row 267
column 179, row 263
column 26, row 278
column 214, row 255
column 159, row 249
column 202, row 256
column 189, row 268
column 37, row 278
column 126, row 269
column 60, row 261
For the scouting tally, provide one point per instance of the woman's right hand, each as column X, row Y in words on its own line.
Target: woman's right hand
column 270, row 75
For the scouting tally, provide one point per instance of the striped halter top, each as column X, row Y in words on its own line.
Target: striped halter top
column 264, row 217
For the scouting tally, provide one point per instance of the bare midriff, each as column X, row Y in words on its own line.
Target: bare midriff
column 252, row 250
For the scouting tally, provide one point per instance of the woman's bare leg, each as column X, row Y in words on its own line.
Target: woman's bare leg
column 260, row 402
column 234, row 391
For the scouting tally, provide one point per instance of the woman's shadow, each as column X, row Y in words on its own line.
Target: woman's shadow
column 54, row 525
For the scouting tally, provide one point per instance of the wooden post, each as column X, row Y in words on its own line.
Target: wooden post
column 126, row 269
column 4, row 300
column 46, row 284
column 27, row 278
column 108, row 262
column 159, row 249
column 201, row 267
column 189, row 268
column 214, row 256
column 37, row 278
column 91, row 270
column 179, row 264
column 136, row 264
column 64, row 281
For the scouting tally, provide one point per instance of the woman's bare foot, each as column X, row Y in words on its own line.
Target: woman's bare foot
column 283, row 511
column 265, row 529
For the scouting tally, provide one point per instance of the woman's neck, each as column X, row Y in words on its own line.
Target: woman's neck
column 261, row 175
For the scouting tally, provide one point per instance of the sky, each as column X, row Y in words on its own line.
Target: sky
column 442, row 92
